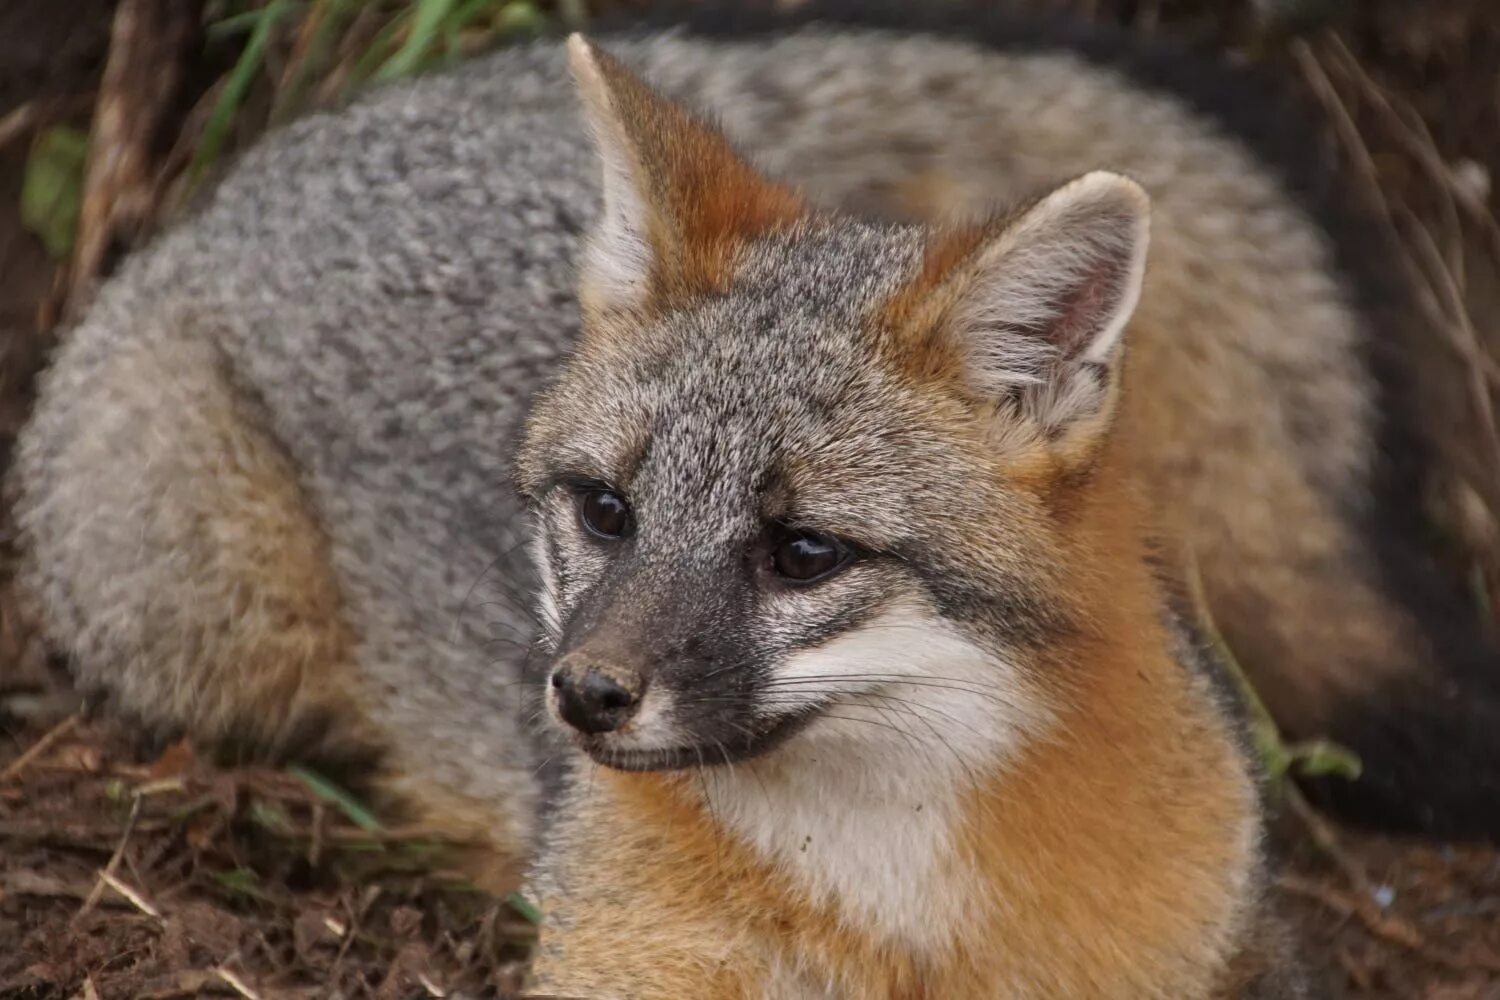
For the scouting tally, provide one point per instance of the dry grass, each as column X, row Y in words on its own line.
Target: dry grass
column 174, row 878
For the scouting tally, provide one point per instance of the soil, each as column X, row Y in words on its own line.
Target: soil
column 131, row 871
column 248, row 882
column 172, row 878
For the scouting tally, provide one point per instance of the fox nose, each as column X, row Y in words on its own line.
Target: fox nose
column 591, row 701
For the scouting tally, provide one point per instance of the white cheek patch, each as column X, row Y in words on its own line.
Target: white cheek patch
column 920, row 668
column 861, row 808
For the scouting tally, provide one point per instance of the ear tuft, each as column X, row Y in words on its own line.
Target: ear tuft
column 1058, row 283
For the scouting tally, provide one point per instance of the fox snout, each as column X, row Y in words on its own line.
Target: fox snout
column 594, row 697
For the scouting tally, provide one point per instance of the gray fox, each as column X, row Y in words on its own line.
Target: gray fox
column 853, row 501
column 834, row 516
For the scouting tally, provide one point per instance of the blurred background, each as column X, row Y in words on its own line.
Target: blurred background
column 114, row 113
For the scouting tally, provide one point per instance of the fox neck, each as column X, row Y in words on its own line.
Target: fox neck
column 1122, row 794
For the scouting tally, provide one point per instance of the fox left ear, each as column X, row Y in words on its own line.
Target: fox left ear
column 1029, row 311
column 678, row 199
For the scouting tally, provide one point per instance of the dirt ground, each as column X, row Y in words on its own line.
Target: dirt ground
column 132, row 870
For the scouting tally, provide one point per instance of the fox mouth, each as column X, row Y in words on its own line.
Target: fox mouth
column 708, row 752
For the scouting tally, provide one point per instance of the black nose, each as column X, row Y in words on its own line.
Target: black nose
column 592, row 702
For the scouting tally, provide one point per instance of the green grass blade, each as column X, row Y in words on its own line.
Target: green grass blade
column 270, row 816
column 331, row 18
column 425, row 27
column 469, row 11
column 235, row 24
column 525, row 907
column 376, row 53
column 1316, row 758
column 244, row 882
column 216, row 132
column 346, row 803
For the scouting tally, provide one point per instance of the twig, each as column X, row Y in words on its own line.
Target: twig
column 1438, row 290
column 358, row 36
column 188, row 985
column 319, row 824
column 107, row 872
column 1343, row 125
column 30, row 883
column 40, row 747
column 140, row 76
column 309, row 52
column 140, row 902
column 1388, row 928
column 34, row 115
column 1468, row 343
column 18, row 122
column 1408, row 128
column 236, row 983
column 89, row 837
column 1412, row 132
column 356, row 917
column 1326, row 839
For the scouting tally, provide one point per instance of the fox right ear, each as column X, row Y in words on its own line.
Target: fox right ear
column 1029, row 311
column 678, row 199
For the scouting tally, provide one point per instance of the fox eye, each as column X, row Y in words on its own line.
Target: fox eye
column 604, row 513
column 801, row 557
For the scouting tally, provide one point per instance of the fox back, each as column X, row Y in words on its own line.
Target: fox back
column 266, row 493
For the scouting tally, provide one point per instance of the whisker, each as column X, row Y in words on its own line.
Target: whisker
column 957, row 757
column 997, row 695
column 910, row 740
column 889, row 675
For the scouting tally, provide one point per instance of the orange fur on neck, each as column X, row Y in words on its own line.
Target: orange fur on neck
column 1097, row 856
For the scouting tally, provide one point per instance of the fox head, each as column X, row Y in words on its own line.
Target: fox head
column 811, row 478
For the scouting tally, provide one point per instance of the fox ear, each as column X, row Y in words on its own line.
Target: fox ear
column 1030, row 310
column 678, row 199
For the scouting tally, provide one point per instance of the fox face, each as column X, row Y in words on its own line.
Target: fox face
column 811, row 478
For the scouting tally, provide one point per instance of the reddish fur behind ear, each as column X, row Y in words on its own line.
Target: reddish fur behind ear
column 703, row 200
column 913, row 319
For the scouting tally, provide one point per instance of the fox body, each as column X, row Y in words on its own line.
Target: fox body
column 266, row 497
